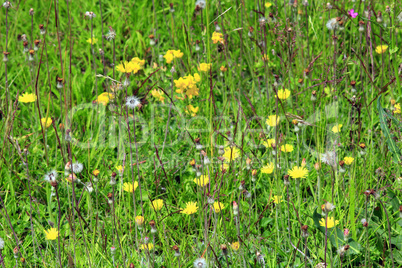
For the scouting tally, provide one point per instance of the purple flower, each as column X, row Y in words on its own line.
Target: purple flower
column 352, row 13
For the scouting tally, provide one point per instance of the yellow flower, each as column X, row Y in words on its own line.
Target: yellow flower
column 331, row 222
column 381, row 49
column 92, row 40
column 26, row 98
column 157, row 204
column 265, row 57
column 138, row 61
column 46, row 122
column 177, row 53
column 287, row 148
column 268, row 143
column 277, row 199
column 337, row 128
column 348, row 160
column 104, row 98
column 169, row 57
column 298, row 172
column 272, row 120
column 283, row 94
column 202, row 180
column 197, row 77
column 268, row 4
column 148, row 246
column 204, row 67
column 217, row 37
column 235, row 246
column 231, row 153
column 223, row 166
column 191, row 208
column 158, row 94
column 223, row 68
column 51, row 234
column 119, row 168
column 191, row 110
column 128, row 186
column 397, row 108
column 139, row 220
column 218, row 206
column 133, row 67
column 71, row 178
column 122, row 67
column 96, row 172
column 268, row 168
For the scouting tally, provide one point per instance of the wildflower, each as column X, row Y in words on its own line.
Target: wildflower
column 27, row 98
column 104, row 98
column 153, row 227
column 157, row 204
column 148, row 246
column 111, row 34
column 77, row 167
column 348, row 160
column 287, row 148
column 172, row 54
column 191, row 110
column 298, row 172
column 132, row 102
column 272, row 120
column 223, row 69
column 352, row 13
column 235, row 246
column 51, row 176
column 5, row 56
column 268, row 168
column 346, row 234
column 51, row 234
column 331, row 222
column 337, row 128
column 128, row 186
column 231, row 153
column 305, row 233
column 46, row 122
column 138, row 61
column 217, row 37
column 364, row 222
column 59, row 82
column 277, row 199
column 92, row 40
column 397, row 108
column 361, row 26
column 327, row 207
column 202, row 180
column 42, row 29
column 268, row 4
column 201, row 4
column 191, row 208
column 268, row 143
column 283, row 94
column 95, row 172
column 139, row 220
column 158, row 94
column 200, row 262
column 381, row 49
column 176, row 251
column 218, row 206
column 235, row 208
column 90, row 14
column 204, row 67
column 72, row 178
column 332, row 24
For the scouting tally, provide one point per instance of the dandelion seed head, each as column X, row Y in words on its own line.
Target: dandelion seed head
column 132, row 102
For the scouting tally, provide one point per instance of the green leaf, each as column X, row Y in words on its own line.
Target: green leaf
column 382, row 114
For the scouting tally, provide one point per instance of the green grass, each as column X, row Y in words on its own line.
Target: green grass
column 156, row 142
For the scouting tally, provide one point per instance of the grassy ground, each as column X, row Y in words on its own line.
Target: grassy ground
column 288, row 143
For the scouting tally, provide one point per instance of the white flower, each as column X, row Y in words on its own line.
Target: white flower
column 51, row 176
column 1, row 243
column 201, row 3
column 332, row 24
column 132, row 102
column 329, row 158
column 200, row 263
column 77, row 167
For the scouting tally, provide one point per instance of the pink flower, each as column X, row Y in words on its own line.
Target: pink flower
column 346, row 232
column 352, row 13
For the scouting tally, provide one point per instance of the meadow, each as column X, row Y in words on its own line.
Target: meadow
column 207, row 133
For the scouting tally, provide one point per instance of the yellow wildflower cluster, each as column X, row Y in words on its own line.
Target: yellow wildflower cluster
column 217, row 37
column 133, row 66
column 158, row 94
column 172, row 54
column 187, row 85
column 104, row 98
